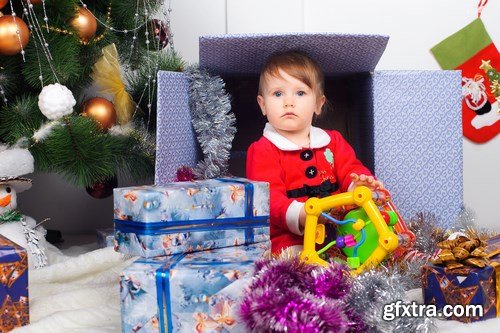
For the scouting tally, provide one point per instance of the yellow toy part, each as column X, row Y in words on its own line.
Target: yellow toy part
column 314, row 233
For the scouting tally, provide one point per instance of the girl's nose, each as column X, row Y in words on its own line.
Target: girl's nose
column 289, row 103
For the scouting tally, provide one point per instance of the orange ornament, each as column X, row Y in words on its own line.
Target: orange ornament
column 101, row 110
column 84, row 23
column 10, row 42
column 3, row 3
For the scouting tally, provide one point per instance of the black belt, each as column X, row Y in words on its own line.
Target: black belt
column 323, row 190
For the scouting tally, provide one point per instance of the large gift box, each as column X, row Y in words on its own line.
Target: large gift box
column 405, row 125
column 190, row 216
column 196, row 292
column 13, row 285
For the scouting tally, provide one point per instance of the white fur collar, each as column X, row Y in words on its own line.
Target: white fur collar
column 318, row 137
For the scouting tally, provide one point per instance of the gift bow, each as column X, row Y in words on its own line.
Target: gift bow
column 461, row 251
column 108, row 77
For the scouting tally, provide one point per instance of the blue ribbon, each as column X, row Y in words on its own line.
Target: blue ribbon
column 162, row 276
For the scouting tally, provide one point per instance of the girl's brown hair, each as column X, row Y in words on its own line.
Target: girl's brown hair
column 297, row 65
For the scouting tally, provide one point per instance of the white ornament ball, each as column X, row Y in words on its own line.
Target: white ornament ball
column 56, row 101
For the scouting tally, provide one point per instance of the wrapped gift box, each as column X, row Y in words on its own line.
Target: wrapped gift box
column 188, row 292
column 183, row 217
column 105, row 237
column 493, row 251
column 442, row 286
column 405, row 125
column 13, row 285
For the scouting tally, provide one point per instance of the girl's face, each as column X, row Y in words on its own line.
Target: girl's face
column 289, row 104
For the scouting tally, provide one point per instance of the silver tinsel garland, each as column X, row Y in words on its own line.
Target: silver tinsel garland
column 212, row 120
column 372, row 290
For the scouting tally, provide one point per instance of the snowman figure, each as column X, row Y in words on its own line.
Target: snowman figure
column 21, row 229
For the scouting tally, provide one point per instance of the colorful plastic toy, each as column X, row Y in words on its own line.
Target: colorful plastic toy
column 366, row 235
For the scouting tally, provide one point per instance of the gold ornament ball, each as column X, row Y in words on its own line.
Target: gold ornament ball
column 3, row 3
column 10, row 42
column 101, row 110
column 84, row 23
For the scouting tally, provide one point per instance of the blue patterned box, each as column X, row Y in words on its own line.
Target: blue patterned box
column 462, row 286
column 404, row 125
column 196, row 292
column 13, row 285
column 183, row 217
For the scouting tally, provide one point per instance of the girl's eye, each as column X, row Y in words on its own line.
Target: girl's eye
column 301, row 93
column 277, row 94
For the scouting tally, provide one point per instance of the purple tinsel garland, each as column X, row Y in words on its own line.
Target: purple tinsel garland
column 287, row 295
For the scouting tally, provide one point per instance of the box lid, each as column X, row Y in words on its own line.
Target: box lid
column 335, row 53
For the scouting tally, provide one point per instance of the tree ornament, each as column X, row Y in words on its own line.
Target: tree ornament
column 35, row 2
column 3, row 3
column 160, row 31
column 102, row 189
column 101, row 110
column 84, row 23
column 56, row 101
column 14, row 35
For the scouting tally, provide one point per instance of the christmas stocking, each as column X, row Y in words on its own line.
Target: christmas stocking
column 472, row 51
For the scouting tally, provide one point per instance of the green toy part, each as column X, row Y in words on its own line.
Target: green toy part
column 371, row 240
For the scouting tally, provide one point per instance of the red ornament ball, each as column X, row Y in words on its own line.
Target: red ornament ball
column 102, row 189
column 160, row 31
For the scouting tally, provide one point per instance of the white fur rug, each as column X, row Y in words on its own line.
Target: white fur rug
column 81, row 295
column 76, row 294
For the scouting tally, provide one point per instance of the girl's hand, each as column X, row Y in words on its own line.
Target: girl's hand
column 368, row 181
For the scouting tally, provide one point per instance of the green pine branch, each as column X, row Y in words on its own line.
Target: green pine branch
column 76, row 148
column 20, row 118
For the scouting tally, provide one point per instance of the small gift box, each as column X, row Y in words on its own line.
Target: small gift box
column 461, row 275
column 105, row 237
column 184, row 217
column 13, row 285
column 196, row 292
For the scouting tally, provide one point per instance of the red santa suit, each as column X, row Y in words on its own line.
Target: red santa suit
column 296, row 173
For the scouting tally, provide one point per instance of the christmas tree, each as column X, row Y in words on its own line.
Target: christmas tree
column 78, row 84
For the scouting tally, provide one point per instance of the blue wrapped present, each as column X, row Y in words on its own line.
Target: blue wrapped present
column 13, row 285
column 405, row 126
column 188, row 292
column 183, row 217
column 463, row 286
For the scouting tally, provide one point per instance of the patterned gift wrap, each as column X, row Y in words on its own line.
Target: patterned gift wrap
column 493, row 251
column 442, row 286
column 13, row 285
column 196, row 292
column 184, row 217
